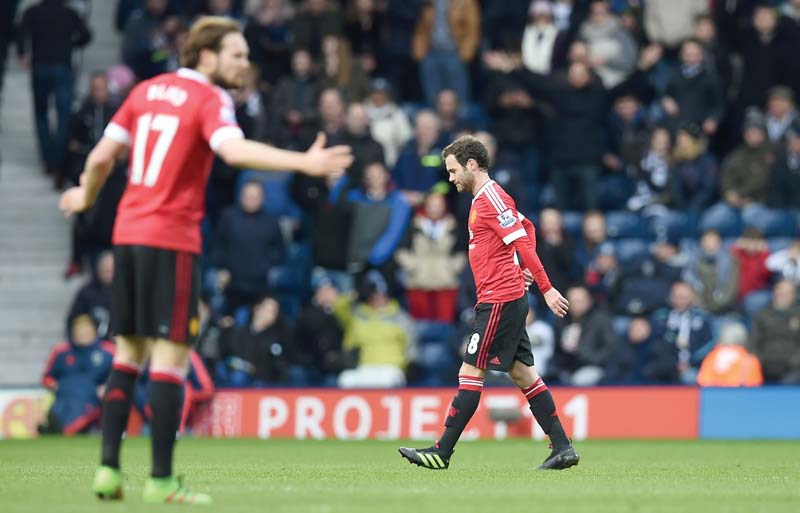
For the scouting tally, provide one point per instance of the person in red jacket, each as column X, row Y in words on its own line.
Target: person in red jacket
column 751, row 251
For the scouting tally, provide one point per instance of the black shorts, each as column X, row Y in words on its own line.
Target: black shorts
column 499, row 336
column 155, row 293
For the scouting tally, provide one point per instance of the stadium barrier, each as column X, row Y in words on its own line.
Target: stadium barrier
column 624, row 412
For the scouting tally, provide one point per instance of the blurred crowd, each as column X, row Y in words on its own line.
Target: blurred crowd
column 655, row 143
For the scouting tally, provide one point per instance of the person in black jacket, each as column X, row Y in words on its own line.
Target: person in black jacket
column 88, row 123
column 47, row 35
column 366, row 150
column 259, row 353
column 248, row 244
column 94, row 298
column 785, row 176
column 318, row 334
column 581, row 105
column 641, row 358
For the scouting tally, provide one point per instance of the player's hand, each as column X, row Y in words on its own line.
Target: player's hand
column 74, row 201
column 527, row 275
column 556, row 302
column 323, row 161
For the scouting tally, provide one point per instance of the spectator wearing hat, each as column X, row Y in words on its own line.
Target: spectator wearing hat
column 781, row 113
column 693, row 177
column 445, row 42
column 775, row 338
column 318, row 333
column 430, row 260
column 378, row 333
column 389, row 125
column 543, row 45
column 751, row 251
column 687, row 330
column 785, row 176
column 729, row 364
column 694, row 94
column 745, row 175
column 714, row 275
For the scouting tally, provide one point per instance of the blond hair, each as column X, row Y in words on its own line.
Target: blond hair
column 207, row 34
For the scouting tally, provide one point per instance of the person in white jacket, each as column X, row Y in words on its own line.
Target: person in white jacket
column 389, row 124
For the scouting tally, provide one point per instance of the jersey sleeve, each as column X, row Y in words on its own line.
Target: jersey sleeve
column 218, row 120
column 121, row 124
column 499, row 212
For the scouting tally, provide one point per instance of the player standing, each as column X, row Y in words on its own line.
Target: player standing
column 499, row 340
column 173, row 124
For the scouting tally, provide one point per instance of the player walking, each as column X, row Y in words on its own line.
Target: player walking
column 499, row 340
column 173, row 124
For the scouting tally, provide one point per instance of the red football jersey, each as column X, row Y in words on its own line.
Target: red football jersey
column 172, row 123
column 494, row 224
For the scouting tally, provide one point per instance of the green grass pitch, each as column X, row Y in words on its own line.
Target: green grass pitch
column 53, row 475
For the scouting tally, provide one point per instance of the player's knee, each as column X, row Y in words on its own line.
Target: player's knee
column 522, row 375
column 131, row 350
column 471, row 370
column 169, row 355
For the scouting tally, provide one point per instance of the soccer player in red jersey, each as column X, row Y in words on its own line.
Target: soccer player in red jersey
column 173, row 124
column 497, row 234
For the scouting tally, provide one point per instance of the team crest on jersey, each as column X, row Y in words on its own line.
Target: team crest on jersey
column 472, row 216
column 507, row 219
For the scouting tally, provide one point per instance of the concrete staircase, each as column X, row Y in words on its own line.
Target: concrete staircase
column 34, row 237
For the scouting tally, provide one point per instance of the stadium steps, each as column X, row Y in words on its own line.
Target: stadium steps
column 34, row 237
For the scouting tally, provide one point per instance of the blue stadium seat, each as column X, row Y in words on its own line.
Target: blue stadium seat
column 434, row 332
column 772, row 222
column 779, row 243
column 628, row 250
column 625, row 225
column 277, row 200
column 572, row 223
column 722, row 218
column 620, row 324
column 674, row 223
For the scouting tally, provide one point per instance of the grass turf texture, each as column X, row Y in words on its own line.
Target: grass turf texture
column 54, row 475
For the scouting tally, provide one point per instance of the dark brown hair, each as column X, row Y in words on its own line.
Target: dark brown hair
column 467, row 147
column 207, row 34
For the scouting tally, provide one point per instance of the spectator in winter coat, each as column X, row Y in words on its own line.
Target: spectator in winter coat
column 542, row 43
column 259, row 353
column 751, row 251
column 693, row 177
column 642, row 359
column 694, row 93
column 775, row 338
column 419, row 165
column 686, row 328
column 785, row 176
column 87, row 124
column 318, row 334
column 585, row 341
column 315, row 20
column 380, row 217
column 381, row 334
column 555, row 248
column 730, row 364
column 781, row 113
column 612, row 50
column 388, row 123
column 593, row 234
column 430, row 261
column 268, row 36
column 786, row 263
column 77, row 371
column 248, row 243
column 745, row 175
column 293, row 107
column 715, row 275
column 366, row 150
column 669, row 22
column 94, row 298
column 653, row 173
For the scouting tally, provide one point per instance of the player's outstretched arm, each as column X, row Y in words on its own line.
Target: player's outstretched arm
column 316, row 161
column 95, row 172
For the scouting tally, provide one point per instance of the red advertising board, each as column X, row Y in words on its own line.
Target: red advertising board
column 662, row 412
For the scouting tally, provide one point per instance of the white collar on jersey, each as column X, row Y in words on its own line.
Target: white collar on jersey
column 480, row 191
column 192, row 75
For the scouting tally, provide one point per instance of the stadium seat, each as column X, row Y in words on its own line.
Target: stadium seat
column 628, row 250
column 434, row 332
column 625, row 225
column 620, row 324
column 675, row 223
column 722, row 218
column 572, row 223
column 779, row 243
column 771, row 222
